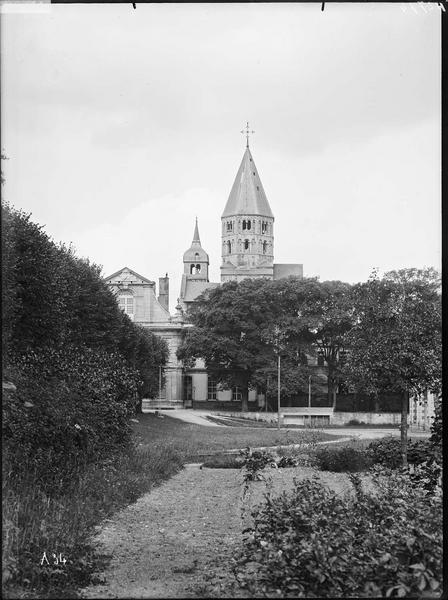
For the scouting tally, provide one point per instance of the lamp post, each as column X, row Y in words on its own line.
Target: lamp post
column 274, row 337
column 309, row 391
column 266, row 397
column 278, row 390
column 160, row 386
column 309, row 400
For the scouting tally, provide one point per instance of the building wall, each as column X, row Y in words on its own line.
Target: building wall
column 240, row 273
column 173, row 370
column 421, row 411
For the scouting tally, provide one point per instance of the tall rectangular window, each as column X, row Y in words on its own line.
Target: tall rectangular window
column 211, row 395
column 236, row 393
column 126, row 303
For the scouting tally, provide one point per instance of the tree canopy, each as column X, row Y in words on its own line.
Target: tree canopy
column 235, row 332
column 395, row 343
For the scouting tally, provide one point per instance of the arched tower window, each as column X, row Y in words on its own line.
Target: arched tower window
column 249, row 224
column 265, row 247
column 246, row 244
column 196, row 256
column 195, row 269
column 244, row 224
column 229, row 247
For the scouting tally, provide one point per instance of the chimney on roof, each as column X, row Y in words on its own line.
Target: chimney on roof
column 164, row 291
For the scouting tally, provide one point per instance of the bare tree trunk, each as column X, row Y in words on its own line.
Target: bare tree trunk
column 404, row 428
column 244, row 398
column 377, row 404
column 334, row 397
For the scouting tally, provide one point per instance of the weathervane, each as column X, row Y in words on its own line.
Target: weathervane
column 247, row 132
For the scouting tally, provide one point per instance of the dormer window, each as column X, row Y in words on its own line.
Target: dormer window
column 196, row 256
column 126, row 303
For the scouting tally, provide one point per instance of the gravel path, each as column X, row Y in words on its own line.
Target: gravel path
column 178, row 541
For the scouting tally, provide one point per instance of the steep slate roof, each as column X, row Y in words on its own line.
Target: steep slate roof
column 247, row 196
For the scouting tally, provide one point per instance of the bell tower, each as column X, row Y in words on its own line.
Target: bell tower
column 247, row 226
column 196, row 261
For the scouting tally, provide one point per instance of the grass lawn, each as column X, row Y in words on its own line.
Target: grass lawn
column 193, row 441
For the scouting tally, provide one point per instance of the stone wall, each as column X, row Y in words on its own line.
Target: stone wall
column 369, row 418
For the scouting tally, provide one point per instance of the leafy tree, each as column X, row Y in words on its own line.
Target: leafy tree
column 228, row 321
column 328, row 314
column 233, row 333
column 395, row 344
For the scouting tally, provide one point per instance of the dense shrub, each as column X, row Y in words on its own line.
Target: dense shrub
column 428, row 472
column 387, row 451
column 314, row 542
column 71, row 404
column 344, row 459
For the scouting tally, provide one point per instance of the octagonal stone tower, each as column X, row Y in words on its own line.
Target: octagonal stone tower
column 247, row 227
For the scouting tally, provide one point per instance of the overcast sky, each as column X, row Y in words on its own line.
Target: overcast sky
column 122, row 125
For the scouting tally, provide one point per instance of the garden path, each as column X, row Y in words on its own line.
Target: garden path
column 178, row 541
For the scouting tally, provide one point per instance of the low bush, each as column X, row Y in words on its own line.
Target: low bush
column 288, row 461
column 387, row 451
column 355, row 422
column 316, row 543
column 345, row 459
column 254, row 461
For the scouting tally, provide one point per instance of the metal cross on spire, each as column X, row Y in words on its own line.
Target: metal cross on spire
column 247, row 131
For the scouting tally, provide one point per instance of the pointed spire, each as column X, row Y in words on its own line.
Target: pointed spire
column 196, row 238
column 247, row 196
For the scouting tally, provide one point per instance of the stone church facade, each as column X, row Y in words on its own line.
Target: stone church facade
column 247, row 247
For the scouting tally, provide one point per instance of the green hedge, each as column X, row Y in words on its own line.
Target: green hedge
column 78, row 363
